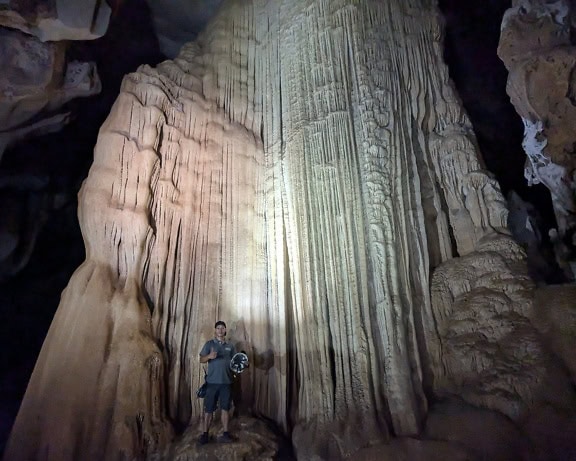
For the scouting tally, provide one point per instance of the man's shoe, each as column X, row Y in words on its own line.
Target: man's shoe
column 225, row 438
column 203, row 439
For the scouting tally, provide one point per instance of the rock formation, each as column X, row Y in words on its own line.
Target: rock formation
column 55, row 20
column 538, row 49
column 36, row 83
column 304, row 171
column 177, row 22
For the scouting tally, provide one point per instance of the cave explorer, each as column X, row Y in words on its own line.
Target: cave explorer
column 217, row 353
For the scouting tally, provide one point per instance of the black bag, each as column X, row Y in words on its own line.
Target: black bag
column 201, row 392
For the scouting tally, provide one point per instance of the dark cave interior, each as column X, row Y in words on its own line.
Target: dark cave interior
column 56, row 164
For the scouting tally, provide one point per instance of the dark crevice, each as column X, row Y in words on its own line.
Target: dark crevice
column 53, row 166
column 471, row 37
column 472, row 33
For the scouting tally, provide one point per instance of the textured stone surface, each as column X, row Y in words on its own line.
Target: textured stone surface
column 31, row 69
column 299, row 171
column 554, row 315
column 407, row 449
column 36, row 81
column 252, row 440
column 551, row 431
column 39, row 182
column 483, row 433
column 337, row 439
column 56, row 20
column 489, row 353
column 536, row 47
column 112, row 377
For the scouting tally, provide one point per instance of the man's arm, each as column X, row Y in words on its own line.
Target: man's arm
column 206, row 357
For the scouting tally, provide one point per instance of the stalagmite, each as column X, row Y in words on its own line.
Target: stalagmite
column 299, row 172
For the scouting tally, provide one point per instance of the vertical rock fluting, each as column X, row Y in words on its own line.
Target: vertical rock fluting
column 298, row 171
column 351, row 308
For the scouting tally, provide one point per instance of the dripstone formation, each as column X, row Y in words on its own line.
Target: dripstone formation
column 305, row 171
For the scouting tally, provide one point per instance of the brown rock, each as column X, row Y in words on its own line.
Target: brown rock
column 36, row 81
column 551, row 431
column 407, row 449
column 56, row 20
column 555, row 317
column 305, row 172
column 536, row 47
column 488, row 352
column 484, row 433
column 253, row 440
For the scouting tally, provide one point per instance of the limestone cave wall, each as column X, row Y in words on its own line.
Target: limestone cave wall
column 305, row 171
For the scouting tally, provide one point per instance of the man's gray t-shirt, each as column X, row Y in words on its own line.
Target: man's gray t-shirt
column 219, row 368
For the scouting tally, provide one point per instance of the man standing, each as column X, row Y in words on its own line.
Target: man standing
column 217, row 353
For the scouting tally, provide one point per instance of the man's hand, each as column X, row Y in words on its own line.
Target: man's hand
column 206, row 358
column 213, row 354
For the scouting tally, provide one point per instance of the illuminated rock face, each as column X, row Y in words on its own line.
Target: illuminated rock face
column 299, row 172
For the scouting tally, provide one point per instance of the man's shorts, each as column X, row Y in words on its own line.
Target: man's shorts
column 215, row 393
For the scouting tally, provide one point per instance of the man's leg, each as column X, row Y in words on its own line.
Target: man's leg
column 225, row 404
column 209, row 407
column 207, row 421
column 205, row 437
column 225, row 418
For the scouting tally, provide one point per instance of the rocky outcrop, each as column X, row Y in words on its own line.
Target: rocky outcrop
column 484, row 434
column 56, row 20
column 554, row 315
column 305, row 172
column 36, row 78
column 537, row 48
column 36, row 82
column 100, row 403
column 490, row 353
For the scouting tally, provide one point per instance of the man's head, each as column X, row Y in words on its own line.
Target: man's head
column 220, row 328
